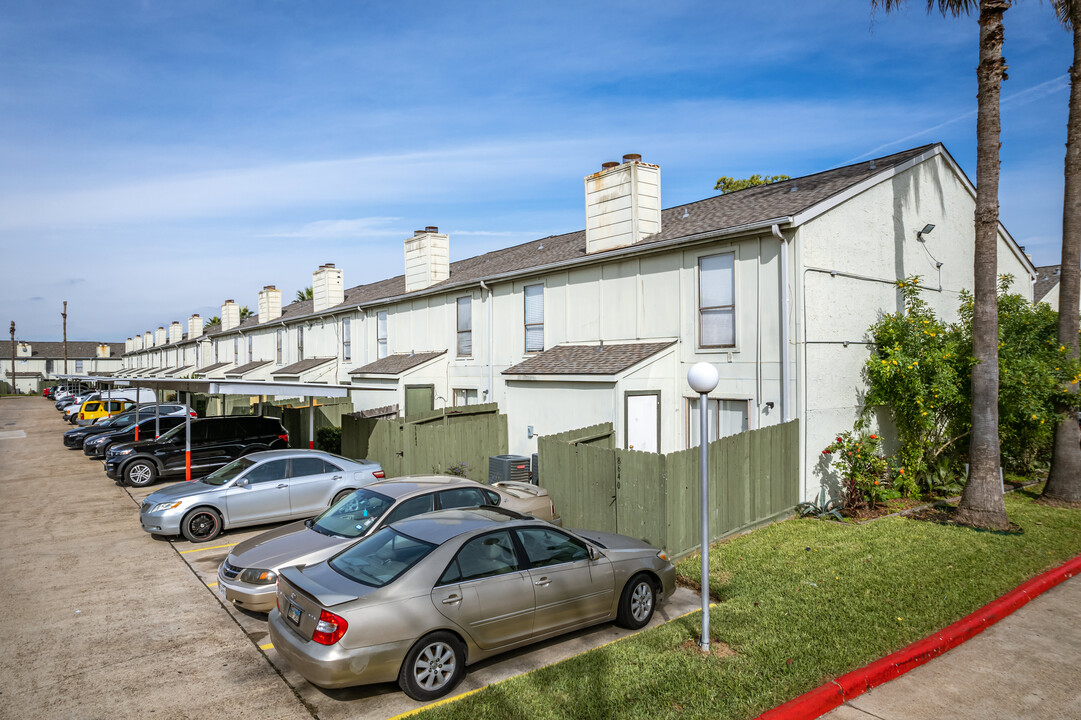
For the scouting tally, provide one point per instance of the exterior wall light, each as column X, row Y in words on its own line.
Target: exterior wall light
column 926, row 231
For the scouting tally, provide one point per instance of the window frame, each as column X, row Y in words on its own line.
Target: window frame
column 347, row 339
column 250, row 338
column 382, row 325
column 526, row 325
column 714, row 430
column 467, row 333
column 454, row 396
column 700, row 308
column 300, row 343
column 279, row 354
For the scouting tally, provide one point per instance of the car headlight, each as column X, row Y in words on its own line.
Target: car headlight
column 165, row 506
column 121, row 452
column 663, row 555
column 259, row 576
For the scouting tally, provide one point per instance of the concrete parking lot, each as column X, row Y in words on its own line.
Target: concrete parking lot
column 100, row 619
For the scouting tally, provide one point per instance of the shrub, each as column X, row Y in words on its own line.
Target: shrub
column 329, row 439
column 865, row 475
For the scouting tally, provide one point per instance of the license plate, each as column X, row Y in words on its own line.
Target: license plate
column 222, row 592
column 294, row 614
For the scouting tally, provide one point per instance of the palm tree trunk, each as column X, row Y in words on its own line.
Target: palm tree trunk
column 1064, row 481
column 982, row 503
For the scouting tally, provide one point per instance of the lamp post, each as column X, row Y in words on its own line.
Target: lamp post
column 703, row 378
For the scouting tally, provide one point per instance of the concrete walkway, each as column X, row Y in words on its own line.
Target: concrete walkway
column 1026, row 666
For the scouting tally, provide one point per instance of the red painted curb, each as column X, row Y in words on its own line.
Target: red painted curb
column 826, row 697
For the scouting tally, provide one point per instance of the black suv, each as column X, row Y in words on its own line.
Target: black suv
column 215, row 442
column 97, row 445
column 77, row 437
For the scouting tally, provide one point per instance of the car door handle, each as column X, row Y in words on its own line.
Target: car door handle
column 281, row 485
column 543, row 582
column 451, row 599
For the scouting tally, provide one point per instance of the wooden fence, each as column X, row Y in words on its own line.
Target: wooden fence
column 754, row 479
column 429, row 442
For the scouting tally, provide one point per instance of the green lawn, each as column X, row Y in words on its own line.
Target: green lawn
column 801, row 601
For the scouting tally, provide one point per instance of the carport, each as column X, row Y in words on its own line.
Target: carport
column 224, row 388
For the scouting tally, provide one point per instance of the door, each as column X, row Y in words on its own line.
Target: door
column 570, row 588
column 643, row 421
column 264, row 498
column 311, row 485
column 419, row 398
column 172, row 455
column 485, row 591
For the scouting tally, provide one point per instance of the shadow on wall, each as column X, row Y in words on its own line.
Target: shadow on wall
column 905, row 224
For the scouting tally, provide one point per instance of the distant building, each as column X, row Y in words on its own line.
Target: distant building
column 37, row 361
column 1048, row 282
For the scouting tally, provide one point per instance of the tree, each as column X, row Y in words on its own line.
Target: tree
column 982, row 504
column 1064, row 480
column 213, row 321
column 245, row 312
column 729, row 185
column 305, row 294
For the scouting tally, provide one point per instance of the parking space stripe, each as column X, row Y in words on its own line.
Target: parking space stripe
column 212, row 584
column 268, row 646
column 212, row 547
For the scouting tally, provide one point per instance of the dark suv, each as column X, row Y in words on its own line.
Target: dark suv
column 215, row 442
column 97, row 445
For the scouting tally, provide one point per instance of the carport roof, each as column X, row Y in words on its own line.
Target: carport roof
column 397, row 363
column 587, row 359
column 177, row 371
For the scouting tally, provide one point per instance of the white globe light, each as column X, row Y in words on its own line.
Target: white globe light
column 702, row 377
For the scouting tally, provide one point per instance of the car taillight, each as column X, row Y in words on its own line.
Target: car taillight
column 379, row 474
column 192, row 413
column 284, row 437
column 330, row 628
column 81, row 416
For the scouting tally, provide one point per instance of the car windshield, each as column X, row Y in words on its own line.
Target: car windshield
column 354, row 515
column 227, row 473
column 178, row 431
column 381, row 558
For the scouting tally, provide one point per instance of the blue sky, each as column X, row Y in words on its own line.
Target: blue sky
column 157, row 158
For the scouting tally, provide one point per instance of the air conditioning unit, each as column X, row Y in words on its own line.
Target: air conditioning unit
column 503, row 468
column 534, row 469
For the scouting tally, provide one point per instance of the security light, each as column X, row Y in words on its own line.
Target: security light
column 926, row 231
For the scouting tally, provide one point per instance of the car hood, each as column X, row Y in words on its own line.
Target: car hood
column 292, row 544
column 86, row 430
column 612, row 541
column 181, row 490
column 141, row 445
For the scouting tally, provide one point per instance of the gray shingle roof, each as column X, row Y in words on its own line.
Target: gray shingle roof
column 1047, row 277
column 77, row 350
column 587, row 359
column 302, row 366
column 246, row 368
column 178, row 371
column 713, row 214
column 397, row 363
column 210, row 368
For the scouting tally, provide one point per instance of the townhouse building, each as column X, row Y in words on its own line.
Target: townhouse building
column 37, row 361
column 775, row 285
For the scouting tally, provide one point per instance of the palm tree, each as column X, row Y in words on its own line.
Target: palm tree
column 305, row 294
column 245, row 312
column 213, row 321
column 982, row 504
column 1064, row 480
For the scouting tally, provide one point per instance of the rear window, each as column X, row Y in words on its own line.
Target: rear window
column 381, row 558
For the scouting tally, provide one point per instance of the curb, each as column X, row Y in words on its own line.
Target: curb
column 830, row 695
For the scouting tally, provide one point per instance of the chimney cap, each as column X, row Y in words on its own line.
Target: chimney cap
column 269, row 287
column 431, row 229
column 609, row 165
column 632, row 157
column 327, row 266
column 228, row 301
column 161, row 327
column 195, row 315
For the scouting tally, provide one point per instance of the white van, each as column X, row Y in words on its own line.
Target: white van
column 140, row 395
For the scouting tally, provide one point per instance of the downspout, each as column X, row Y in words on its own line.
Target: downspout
column 488, row 306
column 786, row 401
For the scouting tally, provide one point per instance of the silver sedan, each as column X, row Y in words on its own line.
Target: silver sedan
column 418, row 599
column 263, row 487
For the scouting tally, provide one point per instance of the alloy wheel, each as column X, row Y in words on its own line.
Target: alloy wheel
column 202, row 524
column 642, row 601
column 434, row 666
column 140, row 474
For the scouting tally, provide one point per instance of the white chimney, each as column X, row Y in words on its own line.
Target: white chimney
column 230, row 315
column 104, row 350
column 175, row 333
column 137, row 342
column 195, row 327
column 159, row 336
column 623, row 204
column 427, row 259
column 148, row 339
column 270, row 304
column 328, row 287
column 129, row 345
column 24, row 349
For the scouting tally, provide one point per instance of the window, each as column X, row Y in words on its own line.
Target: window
column 236, row 349
column 482, row 557
column 48, row 367
column 78, row 366
column 465, row 396
column 461, row 498
column 381, row 334
column 273, row 471
column 465, row 327
column 215, row 352
column 546, row 547
column 249, row 348
column 278, row 356
column 300, row 343
column 716, row 300
column 534, row 318
column 347, row 340
column 307, row 466
column 411, row 507
column 725, row 417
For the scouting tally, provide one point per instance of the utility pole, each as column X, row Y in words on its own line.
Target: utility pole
column 12, row 357
column 65, row 316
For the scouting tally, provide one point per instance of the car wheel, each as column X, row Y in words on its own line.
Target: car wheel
column 341, row 496
column 433, row 666
column 637, row 603
column 201, row 524
column 140, row 473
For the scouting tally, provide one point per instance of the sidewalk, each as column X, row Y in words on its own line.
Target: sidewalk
column 1025, row 666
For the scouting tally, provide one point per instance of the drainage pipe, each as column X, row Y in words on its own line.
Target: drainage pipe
column 490, row 343
column 786, row 399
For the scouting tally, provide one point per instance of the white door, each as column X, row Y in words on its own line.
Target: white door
column 643, row 418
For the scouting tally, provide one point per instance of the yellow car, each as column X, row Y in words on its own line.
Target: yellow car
column 93, row 410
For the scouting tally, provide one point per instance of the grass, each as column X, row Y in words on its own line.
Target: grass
column 801, row 602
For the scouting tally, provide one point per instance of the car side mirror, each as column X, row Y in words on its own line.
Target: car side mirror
column 242, row 482
column 593, row 554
